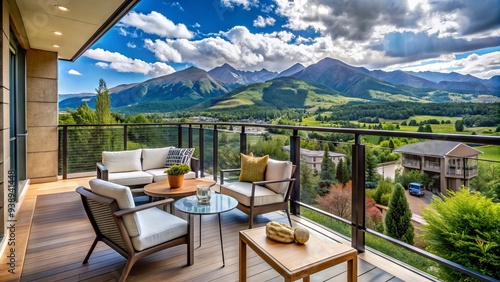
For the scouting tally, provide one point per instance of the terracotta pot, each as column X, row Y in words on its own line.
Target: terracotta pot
column 175, row 181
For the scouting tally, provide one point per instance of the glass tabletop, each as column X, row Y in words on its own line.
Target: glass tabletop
column 218, row 204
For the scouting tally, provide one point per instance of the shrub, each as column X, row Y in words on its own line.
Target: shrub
column 464, row 227
column 384, row 199
column 384, row 187
column 398, row 218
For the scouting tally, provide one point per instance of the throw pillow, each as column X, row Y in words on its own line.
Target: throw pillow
column 179, row 156
column 278, row 170
column 252, row 168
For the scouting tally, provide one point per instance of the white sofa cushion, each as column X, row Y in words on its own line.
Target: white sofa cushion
column 122, row 160
column 130, row 178
column 154, row 158
column 242, row 191
column 277, row 170
column 159, row 174
column 124, row 199
column 157, row 227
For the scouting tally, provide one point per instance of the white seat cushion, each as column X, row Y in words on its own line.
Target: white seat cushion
column 154, row 158
column 159, row 174
column 124, row 199
column 278, row 170
column 122, row 160
column 157, row 227
column 130, row 178
column 242, row 191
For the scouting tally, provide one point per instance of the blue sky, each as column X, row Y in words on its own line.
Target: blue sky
column 160, row 37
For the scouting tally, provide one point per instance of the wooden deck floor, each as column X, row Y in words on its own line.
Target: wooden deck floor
column 53, row 236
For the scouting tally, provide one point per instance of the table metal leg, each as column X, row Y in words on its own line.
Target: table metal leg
column 200, row 232
column 221, row 244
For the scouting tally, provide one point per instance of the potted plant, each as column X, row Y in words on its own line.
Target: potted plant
column 176, row 174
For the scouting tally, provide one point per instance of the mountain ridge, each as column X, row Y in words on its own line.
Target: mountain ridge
column 193, row 86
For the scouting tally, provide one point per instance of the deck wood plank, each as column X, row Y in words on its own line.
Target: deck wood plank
column 56, row 235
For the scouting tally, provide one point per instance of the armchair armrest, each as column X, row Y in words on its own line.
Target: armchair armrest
column 102, row 171
column 121, row 213
column 222, row 171
column 195, row 166
column 260, row 183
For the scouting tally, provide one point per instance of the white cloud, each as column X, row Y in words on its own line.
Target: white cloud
column 246, row 4
column 131, row 45
column 121, row 63
column 482, row 66
column 263, row 22
column 102, row 65
column 122, row 31
column 177, row 5
column 242, row 49
column 74, row 72
column 157, row 24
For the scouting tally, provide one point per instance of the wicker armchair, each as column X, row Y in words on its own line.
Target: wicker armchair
column 134, row 232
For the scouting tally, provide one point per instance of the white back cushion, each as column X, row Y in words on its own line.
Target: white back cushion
column 122, row 160
column 154, row 158
column 124, row 199
column 277, row 170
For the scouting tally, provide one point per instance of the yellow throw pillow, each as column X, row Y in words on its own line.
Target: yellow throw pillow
column 253, row 168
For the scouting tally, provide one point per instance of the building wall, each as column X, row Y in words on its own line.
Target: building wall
column 41, row 108
column 41, row 94
column 4, row 111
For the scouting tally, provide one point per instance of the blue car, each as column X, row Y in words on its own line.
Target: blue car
column 416, row 189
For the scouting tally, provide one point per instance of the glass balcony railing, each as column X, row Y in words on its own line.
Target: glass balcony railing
column 218, row 145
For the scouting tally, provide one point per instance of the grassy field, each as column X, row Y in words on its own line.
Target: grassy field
column 491, row 153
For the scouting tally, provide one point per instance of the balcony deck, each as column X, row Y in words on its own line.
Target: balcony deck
column 53, row 235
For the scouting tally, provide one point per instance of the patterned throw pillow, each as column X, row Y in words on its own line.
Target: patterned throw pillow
column 253, row 168
column 179, row 156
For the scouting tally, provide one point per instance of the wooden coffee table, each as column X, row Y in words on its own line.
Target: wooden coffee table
column 162, row 189
column 294, row 261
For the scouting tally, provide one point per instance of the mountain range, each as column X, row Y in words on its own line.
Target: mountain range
column 328, row 82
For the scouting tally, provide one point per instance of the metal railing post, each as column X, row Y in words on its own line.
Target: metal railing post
column 358, row 195
column 295, row 159
column 215, row 152
column 65, row 152
column 243, row 141
column 190, row 136
column 202, row 151
column 125, row 133
column 179, row 136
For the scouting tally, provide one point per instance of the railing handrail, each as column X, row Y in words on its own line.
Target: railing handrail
column 358, row 159
column 479, row 139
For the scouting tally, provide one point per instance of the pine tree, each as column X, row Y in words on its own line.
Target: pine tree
column 342, row 173
column 371, row 167
column 327, row 175
column 103, row 104
column 398, row 218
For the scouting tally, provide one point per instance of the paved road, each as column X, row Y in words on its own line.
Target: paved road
column 417, row 204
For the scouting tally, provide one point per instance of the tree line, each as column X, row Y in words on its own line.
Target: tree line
column 474, row 114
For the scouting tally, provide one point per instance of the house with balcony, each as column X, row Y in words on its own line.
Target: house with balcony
column 43, row 228
column 452, row 163
column 314, row 158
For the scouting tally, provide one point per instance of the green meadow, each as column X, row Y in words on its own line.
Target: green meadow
column 490, row 152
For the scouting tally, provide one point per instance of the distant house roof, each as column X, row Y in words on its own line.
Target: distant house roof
column 438, row 148
column 311, row 153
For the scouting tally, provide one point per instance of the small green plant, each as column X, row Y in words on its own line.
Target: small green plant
column 178, row 169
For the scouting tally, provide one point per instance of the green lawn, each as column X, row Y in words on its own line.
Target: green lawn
column 491, row 153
